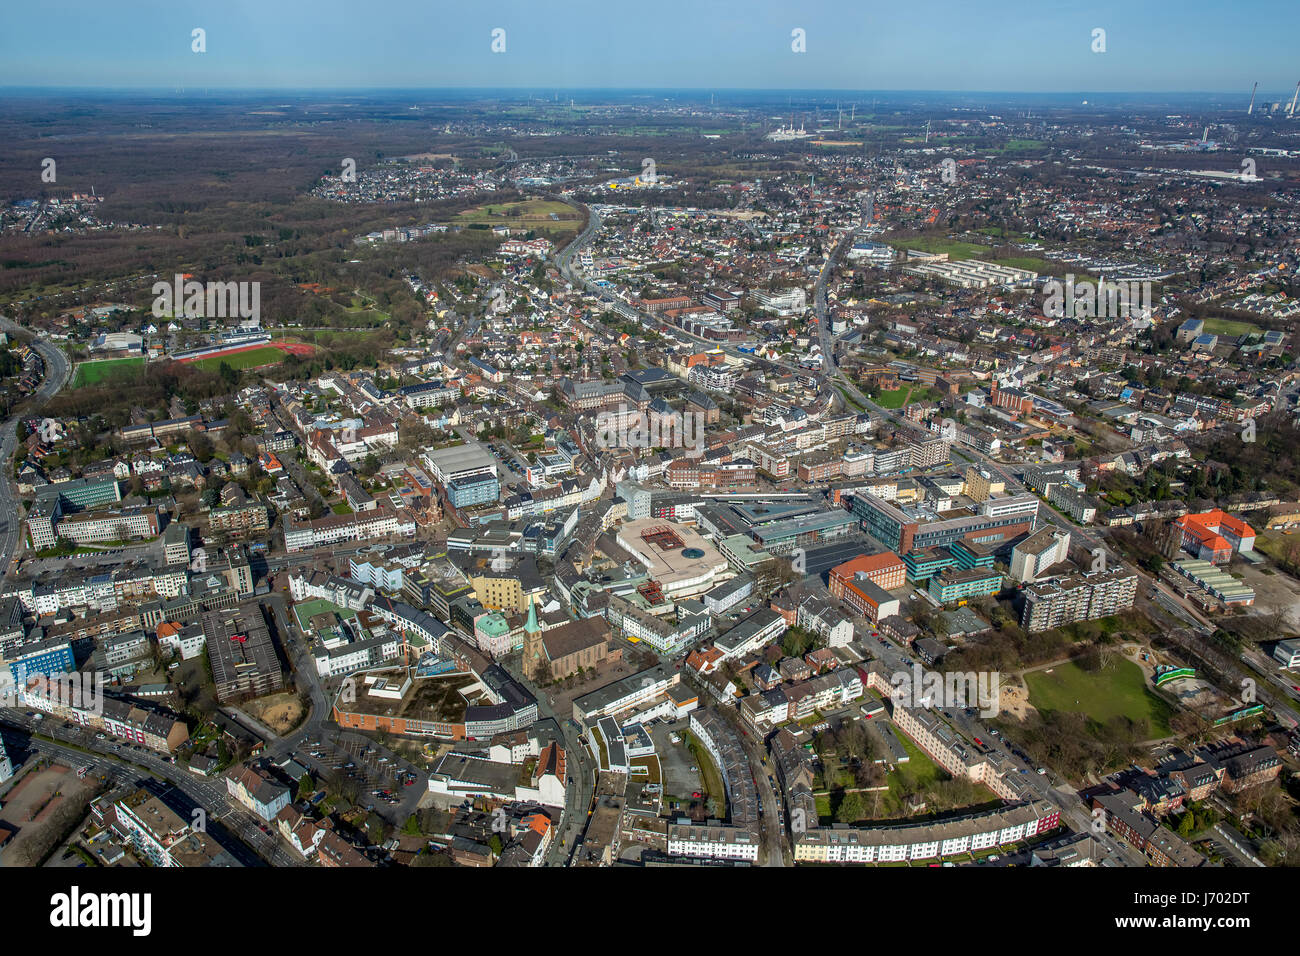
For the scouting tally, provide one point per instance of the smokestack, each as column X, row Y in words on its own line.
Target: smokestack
column 1291, row 109
column 1250, row 109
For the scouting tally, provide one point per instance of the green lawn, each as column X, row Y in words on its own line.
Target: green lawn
column 919, row 771
column 1024, row 262
column 1015, row 145
column 1230, row 327
column 253, row 358
column 899, row 397
column 91, row 373
column 1117, row 690
column 709, row 775
column 955, row 248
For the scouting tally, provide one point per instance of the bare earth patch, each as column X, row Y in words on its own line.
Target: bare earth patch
column 280, row 712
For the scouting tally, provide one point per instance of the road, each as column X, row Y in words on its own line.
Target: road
column 56, row 376
column 771, row 821
column 580, row 789
column 320, row 733
column 127, row 763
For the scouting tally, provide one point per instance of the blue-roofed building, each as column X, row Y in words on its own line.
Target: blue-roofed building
column 45, row 658
column 1190, row 330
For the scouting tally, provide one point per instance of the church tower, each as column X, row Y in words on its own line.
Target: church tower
column 534, row 653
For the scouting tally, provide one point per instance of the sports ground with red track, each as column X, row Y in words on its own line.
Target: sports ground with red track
column 292, row 348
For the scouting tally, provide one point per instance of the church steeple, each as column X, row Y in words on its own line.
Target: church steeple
column 530, row 625
column 533, row 649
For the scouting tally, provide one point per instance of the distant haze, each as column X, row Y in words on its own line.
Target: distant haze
column 951, row 45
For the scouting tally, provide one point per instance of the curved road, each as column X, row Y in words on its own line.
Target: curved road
column 56, row 376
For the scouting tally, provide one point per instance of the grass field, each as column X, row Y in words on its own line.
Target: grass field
column 92, row 373
column 956, row 248
column 849, row 399
column 253, row 358
column 1116, row 690
column 1230, row 327
column 537, row 214
column 1024, row 262
column 1015, row 145
column 899, row 397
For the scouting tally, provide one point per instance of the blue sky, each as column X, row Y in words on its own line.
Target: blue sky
column 982, row 45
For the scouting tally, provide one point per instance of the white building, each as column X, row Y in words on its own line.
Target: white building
column 1031, row 558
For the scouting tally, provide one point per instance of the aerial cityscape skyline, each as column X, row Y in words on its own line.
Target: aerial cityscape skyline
column 835, row 439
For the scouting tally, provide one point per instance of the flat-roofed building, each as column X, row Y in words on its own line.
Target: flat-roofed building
column 1042, row 549
column 243, row 657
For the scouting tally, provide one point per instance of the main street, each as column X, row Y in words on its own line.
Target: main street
column 56, row 376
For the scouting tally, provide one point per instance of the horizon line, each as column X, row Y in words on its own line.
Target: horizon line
column 614, row 89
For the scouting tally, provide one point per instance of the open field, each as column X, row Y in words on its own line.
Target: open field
column 536, row 214
column 251, row 358
column 92, row 373
column 41, row 807
column 899, row 397
column 1119, row 689
column 1024, row 262
column 1016, row 145
column 1230, row 327
column 955, row 248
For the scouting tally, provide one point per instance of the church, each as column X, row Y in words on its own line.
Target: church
column 557, row 652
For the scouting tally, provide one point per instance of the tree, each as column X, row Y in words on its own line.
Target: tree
column 200, row 446
column 305, row 787
column 851, row 808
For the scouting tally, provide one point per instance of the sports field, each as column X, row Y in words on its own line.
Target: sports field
column 1230, row 327
column 92, row 373
column 251, row 358
column 1119, row 689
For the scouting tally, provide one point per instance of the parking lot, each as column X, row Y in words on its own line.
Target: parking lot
column 380, row 784
column 675, row 763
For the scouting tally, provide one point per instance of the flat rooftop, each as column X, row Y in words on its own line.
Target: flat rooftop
column 435, row 699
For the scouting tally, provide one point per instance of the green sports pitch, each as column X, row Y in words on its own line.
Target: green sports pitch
column 92, row 373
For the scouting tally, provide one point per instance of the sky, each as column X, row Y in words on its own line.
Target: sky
column 948, row 45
